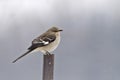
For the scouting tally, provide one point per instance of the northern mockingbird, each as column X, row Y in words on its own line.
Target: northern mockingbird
column 46, row 43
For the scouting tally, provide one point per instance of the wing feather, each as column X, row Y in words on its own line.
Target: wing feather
column 42, row 41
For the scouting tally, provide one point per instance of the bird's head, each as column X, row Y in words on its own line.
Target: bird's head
column 55, row 29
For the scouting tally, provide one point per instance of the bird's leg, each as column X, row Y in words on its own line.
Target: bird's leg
column 48, row 53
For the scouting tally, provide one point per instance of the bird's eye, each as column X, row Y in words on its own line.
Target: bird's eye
column 55, row 30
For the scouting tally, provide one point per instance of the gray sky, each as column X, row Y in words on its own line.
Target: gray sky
column 90, row 45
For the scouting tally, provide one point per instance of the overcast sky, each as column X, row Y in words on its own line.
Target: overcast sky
column 90, row 44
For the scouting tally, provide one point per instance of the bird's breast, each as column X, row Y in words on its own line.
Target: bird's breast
column 52, row 46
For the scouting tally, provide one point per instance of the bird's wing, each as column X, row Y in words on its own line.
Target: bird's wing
column 42, row 41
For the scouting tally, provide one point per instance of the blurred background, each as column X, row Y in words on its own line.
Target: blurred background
column 90, row 45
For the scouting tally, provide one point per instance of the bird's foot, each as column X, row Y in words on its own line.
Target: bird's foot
column 47, row 53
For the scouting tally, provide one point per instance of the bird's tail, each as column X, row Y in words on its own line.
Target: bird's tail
column 22, row 56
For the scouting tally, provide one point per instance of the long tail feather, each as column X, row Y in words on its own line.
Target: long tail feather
column 22, row 56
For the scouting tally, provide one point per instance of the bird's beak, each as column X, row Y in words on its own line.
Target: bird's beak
column 60, row 30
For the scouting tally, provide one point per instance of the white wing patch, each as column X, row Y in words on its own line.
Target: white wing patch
column 45, row 43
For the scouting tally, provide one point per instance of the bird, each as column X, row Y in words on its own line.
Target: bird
column 45, row 43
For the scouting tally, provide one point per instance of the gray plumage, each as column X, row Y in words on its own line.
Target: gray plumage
column 45, row 42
